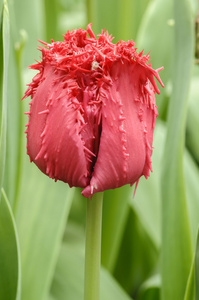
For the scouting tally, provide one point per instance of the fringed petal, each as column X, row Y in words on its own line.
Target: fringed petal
column 53, row 139
column 128, row 117
column 92, row 111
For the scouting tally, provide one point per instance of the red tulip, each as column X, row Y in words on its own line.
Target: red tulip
column 93, row 112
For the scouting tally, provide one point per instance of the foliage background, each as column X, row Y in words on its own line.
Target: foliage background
column 150, row 249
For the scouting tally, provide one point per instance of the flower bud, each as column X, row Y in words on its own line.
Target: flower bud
column 92, row 112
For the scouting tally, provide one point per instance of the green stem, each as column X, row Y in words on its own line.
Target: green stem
column 93, row 247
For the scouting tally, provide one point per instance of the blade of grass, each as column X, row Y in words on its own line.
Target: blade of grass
column 4, row 57
column 10, row 267
column 176, row 239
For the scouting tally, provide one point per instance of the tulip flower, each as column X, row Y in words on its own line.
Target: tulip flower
column 92, row 112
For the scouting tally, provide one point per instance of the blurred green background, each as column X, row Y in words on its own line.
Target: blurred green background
column 150, row 249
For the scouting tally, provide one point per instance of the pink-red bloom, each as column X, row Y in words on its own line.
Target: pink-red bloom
column 93, row 112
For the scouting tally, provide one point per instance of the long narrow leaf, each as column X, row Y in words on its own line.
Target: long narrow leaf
column 69, row 275
column 4, row 56
column 197, row 269
column 147, row 201
column 192, row 139
column 51, row 18
column 115, row 213
column 137, row 256
column 130, row 14
column 123, row 23
column 190, row 288
column 10, row 268
column 150, row 289
column 41, row 214
column 158, row 41
column 176, row 241
column 192, row 191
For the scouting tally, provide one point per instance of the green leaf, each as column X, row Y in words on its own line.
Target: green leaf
column 150, row 289
column 192, row 139
column 10, row 272
column 190, row 287
column 158, row 40
column 41, row 215
column 68, row 280
column 98, row 13
column 176, row 239
column 23, row 18
column 51, row 18
column 123, row 23
column 197, row 268
column 129, row 18
column 115, row 213
column 147, row 200
column 15, row 121
column 192, row 192
column 4, row 57
column 137, row 257
column 146, row 203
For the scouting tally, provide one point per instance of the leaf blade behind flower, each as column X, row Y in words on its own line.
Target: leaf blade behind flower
column 161, row 13
column 176, row 242
column 197, row 268
column 68, row 280
column 190, row 288
column 4, row 57
column 10, row 267
column 115, row 214
column 41, row 216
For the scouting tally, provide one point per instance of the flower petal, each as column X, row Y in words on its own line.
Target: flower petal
column 53, row 140
column 128, row 118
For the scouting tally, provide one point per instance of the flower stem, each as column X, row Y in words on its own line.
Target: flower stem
column 93, row 247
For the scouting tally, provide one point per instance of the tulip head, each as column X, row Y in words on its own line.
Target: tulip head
column 92, row 112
